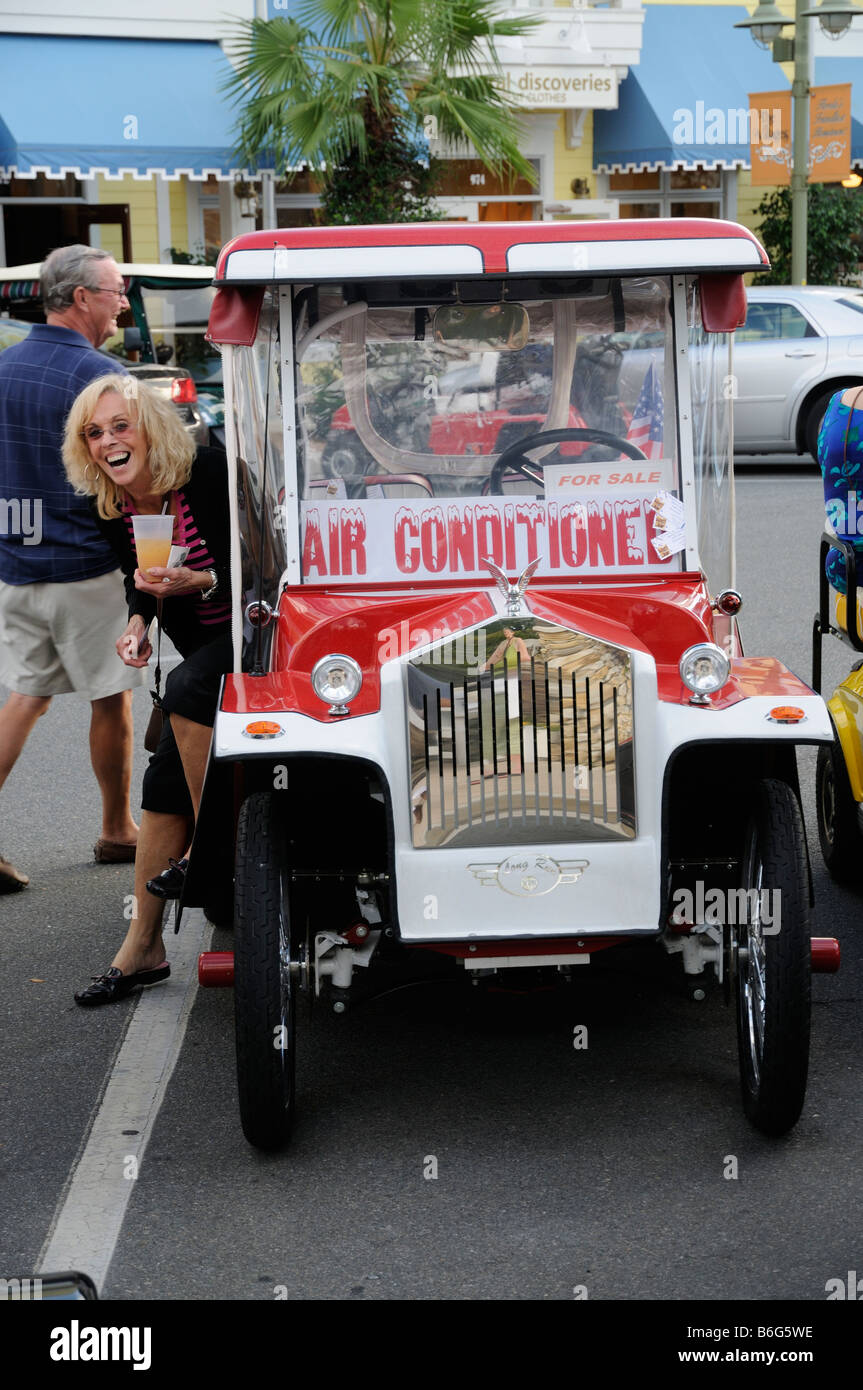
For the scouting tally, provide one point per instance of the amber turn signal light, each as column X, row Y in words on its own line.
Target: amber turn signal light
column 263, row 728
column 786, row 714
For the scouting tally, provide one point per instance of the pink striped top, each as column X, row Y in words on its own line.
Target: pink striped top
column 217, row 610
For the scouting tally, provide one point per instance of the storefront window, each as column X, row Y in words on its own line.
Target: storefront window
column 651, row 193
column 646, row 179
column 41, row 187
column 212, row 220
column 700, row 209
column 695, row 178
column 298, row 216
column 469, row 178
column 640, row 210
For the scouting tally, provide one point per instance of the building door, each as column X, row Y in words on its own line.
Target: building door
column 107, row 215
column 34, row 227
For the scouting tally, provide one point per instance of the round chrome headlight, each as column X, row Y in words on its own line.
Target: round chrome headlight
column 704, row 668
column 336, row 680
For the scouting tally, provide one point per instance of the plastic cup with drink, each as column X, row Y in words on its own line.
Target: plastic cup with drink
column 153, row 536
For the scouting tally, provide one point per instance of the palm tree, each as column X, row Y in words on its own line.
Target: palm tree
column 355, row 88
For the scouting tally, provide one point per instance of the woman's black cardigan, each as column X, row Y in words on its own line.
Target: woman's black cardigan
column 207, row 495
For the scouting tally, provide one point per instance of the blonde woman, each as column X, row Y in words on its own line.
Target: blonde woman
column 126, row 449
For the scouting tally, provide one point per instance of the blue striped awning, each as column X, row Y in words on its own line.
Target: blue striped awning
column 682, row 105
column 84, row 106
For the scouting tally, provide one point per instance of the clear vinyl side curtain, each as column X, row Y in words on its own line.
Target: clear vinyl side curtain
column 712, row 390
column 257, row 405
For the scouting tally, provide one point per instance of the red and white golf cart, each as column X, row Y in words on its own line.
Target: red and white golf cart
column 490, row 699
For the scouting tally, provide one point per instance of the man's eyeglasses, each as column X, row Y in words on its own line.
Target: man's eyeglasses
column 118, row 294
column 95, row 432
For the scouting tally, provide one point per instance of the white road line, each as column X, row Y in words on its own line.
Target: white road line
column 89, row 1215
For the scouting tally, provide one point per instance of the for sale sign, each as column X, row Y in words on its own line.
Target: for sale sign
column 389, row 539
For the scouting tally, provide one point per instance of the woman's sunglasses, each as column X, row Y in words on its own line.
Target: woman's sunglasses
column 95, row 431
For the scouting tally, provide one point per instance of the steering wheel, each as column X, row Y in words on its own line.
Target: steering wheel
column 513, row 457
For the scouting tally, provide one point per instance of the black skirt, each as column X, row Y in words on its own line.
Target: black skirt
column 191, row 690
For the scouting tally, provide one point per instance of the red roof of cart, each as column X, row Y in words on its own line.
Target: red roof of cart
column 648, row 245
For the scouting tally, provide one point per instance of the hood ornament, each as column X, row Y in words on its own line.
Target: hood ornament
column 512, row 592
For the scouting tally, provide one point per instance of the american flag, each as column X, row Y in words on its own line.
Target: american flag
column 647, row 427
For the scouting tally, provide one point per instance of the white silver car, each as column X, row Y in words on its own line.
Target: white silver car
column 797, row 347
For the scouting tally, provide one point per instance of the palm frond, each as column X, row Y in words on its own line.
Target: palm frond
column 309, row 86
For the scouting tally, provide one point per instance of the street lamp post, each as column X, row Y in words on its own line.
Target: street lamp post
column 800, row 146
column 766, row 27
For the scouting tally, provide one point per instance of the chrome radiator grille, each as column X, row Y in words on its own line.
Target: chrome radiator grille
column 520, row 733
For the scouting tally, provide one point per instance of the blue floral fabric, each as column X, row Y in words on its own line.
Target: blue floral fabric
column 843, row 481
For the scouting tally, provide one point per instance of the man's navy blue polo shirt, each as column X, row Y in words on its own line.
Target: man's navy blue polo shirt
column 39, row 380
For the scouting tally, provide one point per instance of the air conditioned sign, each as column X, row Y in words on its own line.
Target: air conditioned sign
column 389, row 539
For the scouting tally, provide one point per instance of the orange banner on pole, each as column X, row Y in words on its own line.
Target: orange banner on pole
column 771, row 143
column 770, row 137
column 830, row 133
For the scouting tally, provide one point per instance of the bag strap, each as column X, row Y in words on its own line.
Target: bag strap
column 157, row 694
column 854, row 406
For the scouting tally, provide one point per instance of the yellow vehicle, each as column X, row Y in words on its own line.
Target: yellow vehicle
column 839, row 774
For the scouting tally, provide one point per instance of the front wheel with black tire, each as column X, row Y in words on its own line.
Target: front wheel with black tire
column 264, row 1001
column 771, row 961
column 838, row 825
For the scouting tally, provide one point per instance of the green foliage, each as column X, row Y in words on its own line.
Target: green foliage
column 834, row 242
column 199, row 255
column 359, row 101
column 393, row 185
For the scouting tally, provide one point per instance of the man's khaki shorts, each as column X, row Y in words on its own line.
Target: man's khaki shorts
column 57, row 638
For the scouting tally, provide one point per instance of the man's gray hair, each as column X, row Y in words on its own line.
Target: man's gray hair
column 67, row 268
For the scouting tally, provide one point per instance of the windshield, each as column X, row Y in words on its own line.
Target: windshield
column 177, row 319
column 404, row 406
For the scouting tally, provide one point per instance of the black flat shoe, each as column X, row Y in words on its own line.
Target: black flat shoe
column 169, row 884
column 114, row 985
column 11, row 879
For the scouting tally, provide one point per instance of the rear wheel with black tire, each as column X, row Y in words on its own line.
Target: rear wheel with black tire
column 771, row 959
column 264, row 995
column 815, row 414
column 838, row 826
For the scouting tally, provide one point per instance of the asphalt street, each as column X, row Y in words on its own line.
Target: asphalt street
column 603, row 1169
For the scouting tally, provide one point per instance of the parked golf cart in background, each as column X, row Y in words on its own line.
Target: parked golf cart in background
column 490, row 700
column 162, row 336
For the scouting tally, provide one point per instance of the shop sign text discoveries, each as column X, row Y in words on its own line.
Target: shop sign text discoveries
column 391, row 539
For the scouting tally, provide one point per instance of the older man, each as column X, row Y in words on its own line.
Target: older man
column 61, row 597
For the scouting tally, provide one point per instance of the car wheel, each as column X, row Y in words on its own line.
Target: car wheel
column 264, row 1000
column 814, row 416
column 838, row 827
column 345, row 457
column 772, row 963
